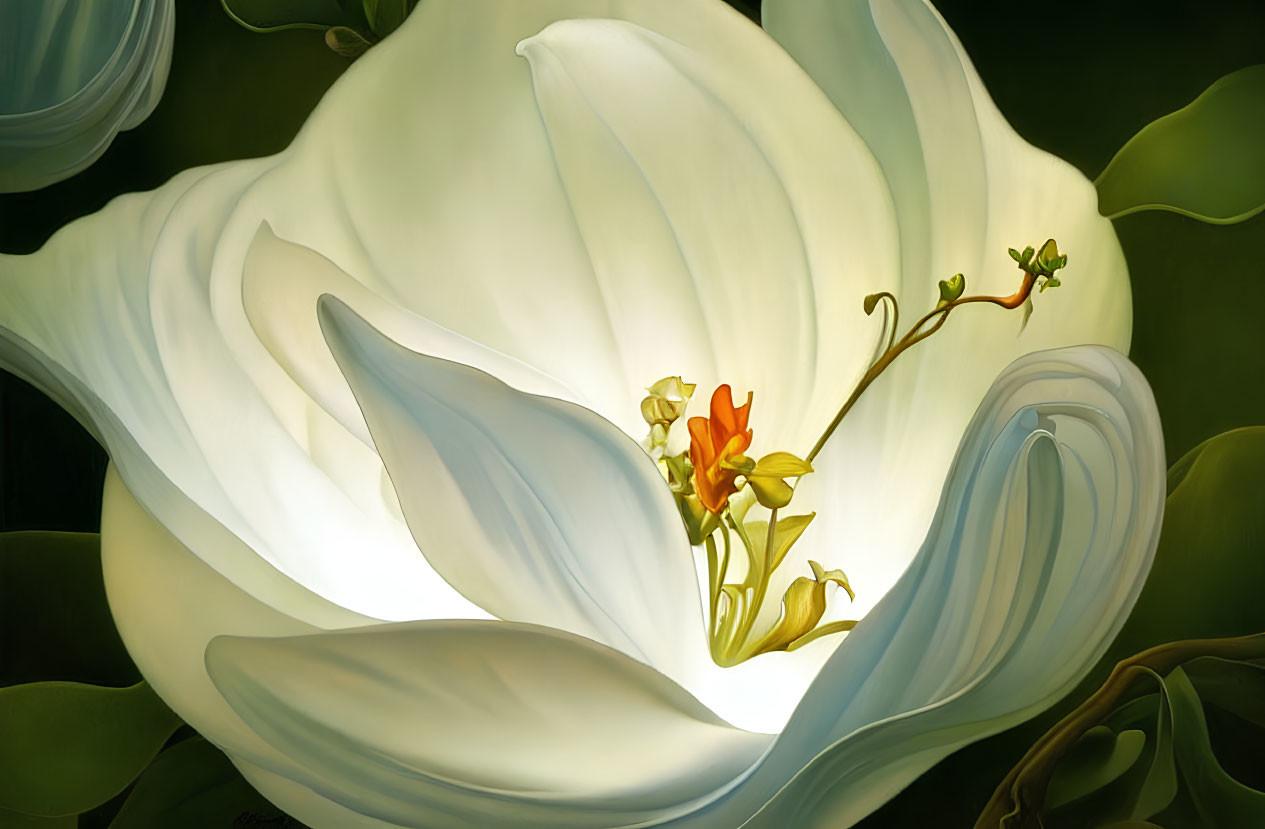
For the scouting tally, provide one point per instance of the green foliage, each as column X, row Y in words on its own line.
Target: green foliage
column 385, row 16
column 951, row 289
column 350, row 26
column 17, row 820
column 1237, row 687
column 1099, row 758
column 54, row 620
column 1210, row 564
column 66, row 747
column 1179, row 785
column 278, row 15
column 192, row 785
column 1207, row 160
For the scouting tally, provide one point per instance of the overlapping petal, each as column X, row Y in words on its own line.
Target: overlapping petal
column 74, row 75
column 467, row 723
column 965, row 188
column 536, row 509
column 750, row 269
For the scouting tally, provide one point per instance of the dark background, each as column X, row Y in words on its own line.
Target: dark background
column 1107, row 69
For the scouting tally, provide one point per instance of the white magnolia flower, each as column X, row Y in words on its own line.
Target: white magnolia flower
column 428, row 324
column 73, row 74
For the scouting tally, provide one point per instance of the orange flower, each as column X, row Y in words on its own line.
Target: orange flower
column 715, row 440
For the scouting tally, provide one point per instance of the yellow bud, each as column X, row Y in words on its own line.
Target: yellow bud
column 667, row 401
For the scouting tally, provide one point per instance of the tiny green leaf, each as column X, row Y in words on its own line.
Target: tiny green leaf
column 699, row 522
column 346, row 41
column 952, row 288
column 785, row 534
column 782, row 465
column 773, row 493
column 1099, row 758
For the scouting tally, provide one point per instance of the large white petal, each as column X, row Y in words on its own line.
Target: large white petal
column 74, row 75
column 966, row 188
column 534, row 508
column 472, row 724
column 734, row 221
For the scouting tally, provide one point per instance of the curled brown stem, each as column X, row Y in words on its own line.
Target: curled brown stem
column 1017, row 802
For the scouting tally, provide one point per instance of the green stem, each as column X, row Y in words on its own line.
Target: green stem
column 1017, row 802
column 714, row 577
column 752, row 610
column 912, row 337
column 752, row 564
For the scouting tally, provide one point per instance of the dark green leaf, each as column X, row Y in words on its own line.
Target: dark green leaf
column 1159, row 787
column 67, row 747
column 1207, row 160
column 1221, row 800
column 1097, row 759
column 17, row 820
column 1238, row 687
column 54, row 620
column 354, row 13
column 192, row 785
column 385, row 16
column 1209, row 567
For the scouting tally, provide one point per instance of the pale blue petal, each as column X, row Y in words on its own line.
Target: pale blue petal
column 477, row 724
column 1045, row 532
column 75, row 73
column 535, row 509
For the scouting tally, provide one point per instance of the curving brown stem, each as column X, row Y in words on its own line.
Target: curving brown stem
column 1017, row 802
column 914, row 336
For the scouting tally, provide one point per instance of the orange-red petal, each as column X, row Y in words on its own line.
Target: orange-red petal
column 714, row 440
